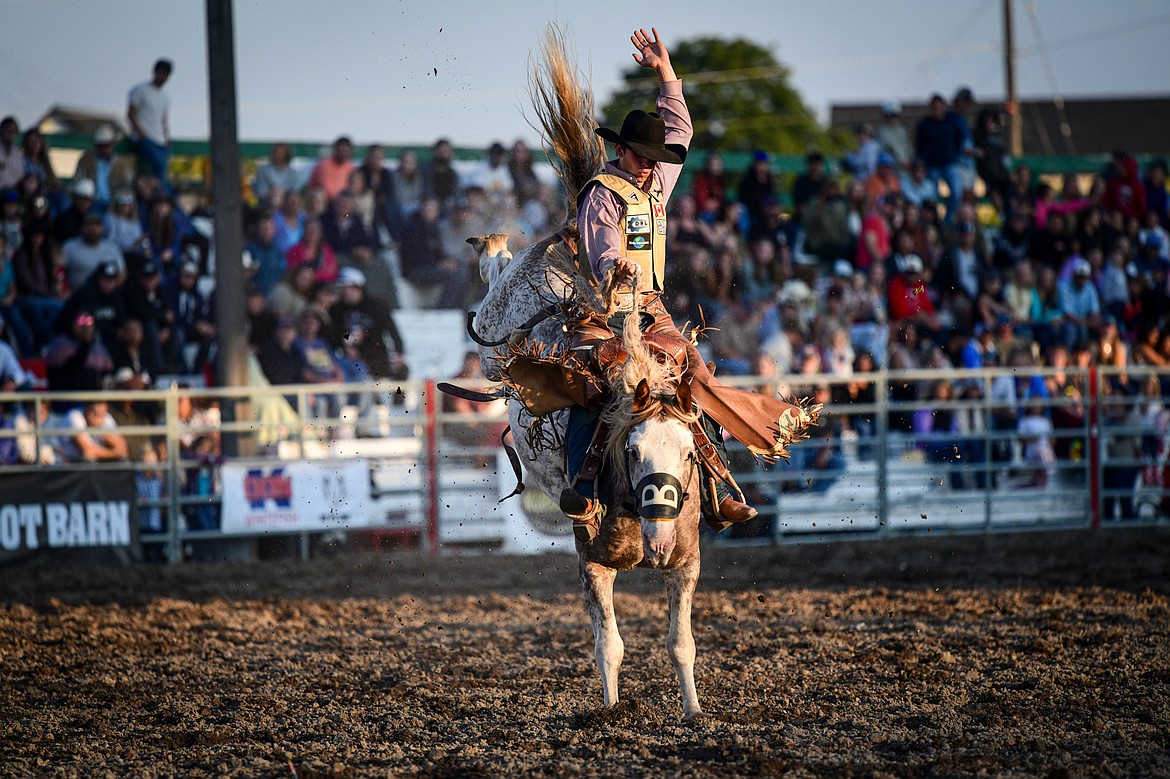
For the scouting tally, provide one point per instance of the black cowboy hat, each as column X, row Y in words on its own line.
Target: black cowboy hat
column 645, row 135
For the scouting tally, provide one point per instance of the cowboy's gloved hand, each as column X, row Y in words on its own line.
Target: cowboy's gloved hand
column 624, row 269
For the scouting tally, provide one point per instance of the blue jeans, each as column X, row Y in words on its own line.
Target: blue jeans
column 954, row 178
column 155, row 157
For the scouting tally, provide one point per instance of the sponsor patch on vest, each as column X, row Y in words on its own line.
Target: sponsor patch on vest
column 637, row 224
column 637, row 243
column 659, row 210
column 660, row 226
column 632, row 196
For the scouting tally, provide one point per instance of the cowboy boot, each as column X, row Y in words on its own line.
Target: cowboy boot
column 585, row 513
column 731, row 512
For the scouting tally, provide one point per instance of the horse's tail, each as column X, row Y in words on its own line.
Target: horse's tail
column 563, row 100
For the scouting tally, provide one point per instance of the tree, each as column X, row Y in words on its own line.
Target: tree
column 739, row 96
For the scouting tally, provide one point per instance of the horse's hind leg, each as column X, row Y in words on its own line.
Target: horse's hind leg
column 597, row 584
column 680, row 588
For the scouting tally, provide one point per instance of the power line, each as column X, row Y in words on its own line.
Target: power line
column 1057, row 99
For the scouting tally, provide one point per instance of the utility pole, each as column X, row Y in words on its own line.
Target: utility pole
column 227, row 207
column 1012, row 103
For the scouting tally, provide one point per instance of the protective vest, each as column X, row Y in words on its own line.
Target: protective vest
column 642, row 227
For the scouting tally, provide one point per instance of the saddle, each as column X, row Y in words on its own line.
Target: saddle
column 576, row 376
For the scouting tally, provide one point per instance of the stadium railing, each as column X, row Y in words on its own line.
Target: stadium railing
column 434, row 484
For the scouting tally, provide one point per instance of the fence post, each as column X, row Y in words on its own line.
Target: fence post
column 174, row 481
column 1094, row 453
column 430, row 408
column 882, row 449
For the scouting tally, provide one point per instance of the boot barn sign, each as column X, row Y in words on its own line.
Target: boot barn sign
column 67, row 510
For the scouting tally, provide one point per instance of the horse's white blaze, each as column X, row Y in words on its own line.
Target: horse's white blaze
column 660, row 446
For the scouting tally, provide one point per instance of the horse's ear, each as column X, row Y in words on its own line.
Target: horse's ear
column 641, row 396
column 683, row 396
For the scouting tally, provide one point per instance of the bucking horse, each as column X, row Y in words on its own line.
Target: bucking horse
column 653, row 455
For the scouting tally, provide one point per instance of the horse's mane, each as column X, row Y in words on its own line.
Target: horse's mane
column 662, row 377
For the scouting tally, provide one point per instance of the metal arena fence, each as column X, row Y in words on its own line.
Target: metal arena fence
column 910, row 452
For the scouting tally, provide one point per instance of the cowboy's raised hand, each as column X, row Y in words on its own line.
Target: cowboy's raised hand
column 651, row 53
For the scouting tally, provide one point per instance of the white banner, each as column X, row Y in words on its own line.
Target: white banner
column 296, row 496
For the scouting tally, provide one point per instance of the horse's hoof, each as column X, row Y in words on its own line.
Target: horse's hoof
column 695, row 716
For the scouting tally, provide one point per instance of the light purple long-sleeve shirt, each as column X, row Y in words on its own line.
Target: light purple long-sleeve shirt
column 599, row 215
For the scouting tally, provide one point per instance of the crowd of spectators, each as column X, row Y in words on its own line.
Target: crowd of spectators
column 927, row 247
column 923, row 247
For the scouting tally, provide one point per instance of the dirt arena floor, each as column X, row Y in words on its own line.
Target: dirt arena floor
column 1014, row 655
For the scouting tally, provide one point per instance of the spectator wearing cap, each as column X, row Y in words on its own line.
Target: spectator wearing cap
column 1154, row 235
column 332, row 173
column 76, row 360
column 440, row 280
column 319, row 364
column 756, row 186
column 892, row 135
column 1148, row 258
column 108, row 172
column 958, row 274
column 862, row 162
column 195, row 328
column 103, row 297
column 358, row 308
column 261, row 321
column 68, row 223
column 11, row 155
column 147, row 302
column 122, row 225
column 909, row 299
column 353, row 365
column 1081, row 306
column 89, row 251
column 279, row 358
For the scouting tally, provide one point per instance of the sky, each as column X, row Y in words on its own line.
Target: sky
column 401, row 72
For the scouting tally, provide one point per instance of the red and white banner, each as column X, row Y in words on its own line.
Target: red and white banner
column 295, row 496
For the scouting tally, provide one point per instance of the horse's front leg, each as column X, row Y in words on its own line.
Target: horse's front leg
column 680, row 643
column 597, row 584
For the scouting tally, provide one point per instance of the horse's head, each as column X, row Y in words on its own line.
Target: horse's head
column 660, row 465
